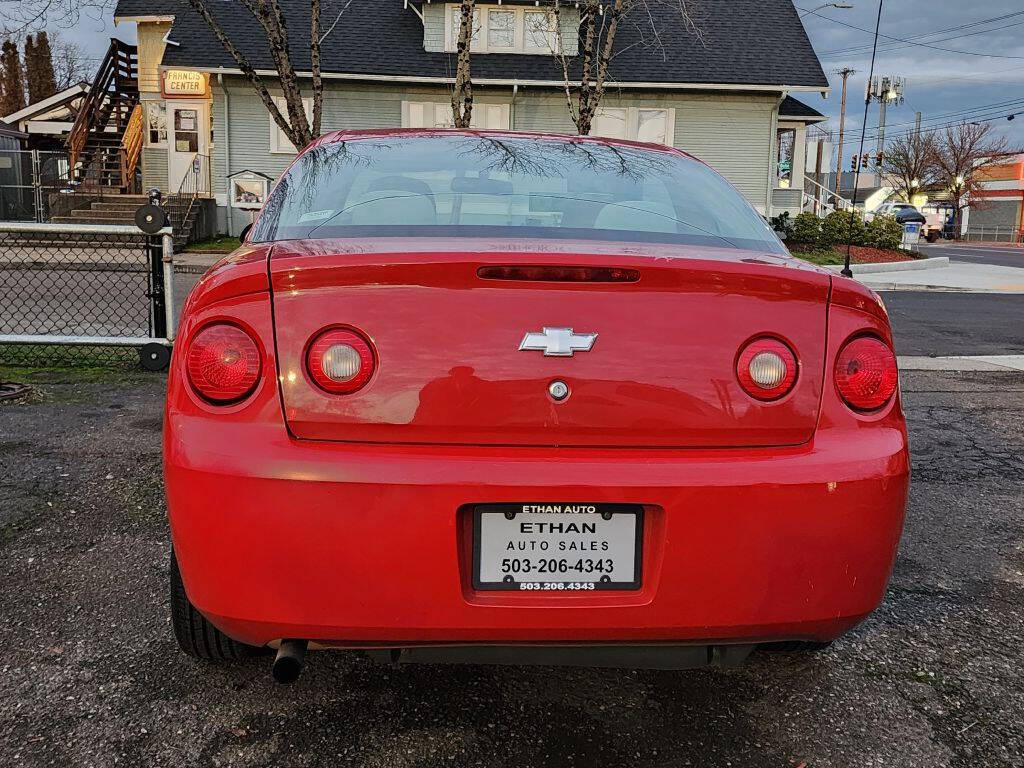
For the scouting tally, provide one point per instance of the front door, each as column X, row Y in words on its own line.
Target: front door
column 189, row 129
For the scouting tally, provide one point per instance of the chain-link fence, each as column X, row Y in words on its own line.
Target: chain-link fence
column 29, row 182
column 82, row 294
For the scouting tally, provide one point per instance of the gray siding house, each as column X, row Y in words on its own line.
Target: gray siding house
column 389, row 63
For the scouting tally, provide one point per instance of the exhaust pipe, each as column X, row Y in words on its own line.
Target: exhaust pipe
column 291, row 657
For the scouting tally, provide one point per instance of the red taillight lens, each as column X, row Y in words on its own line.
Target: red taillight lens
column 340, row 361
column 223, row 363
column 866, row 373
column 766, row 369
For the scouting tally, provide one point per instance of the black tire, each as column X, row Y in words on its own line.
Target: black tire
column 795, row 646
column 195, row 635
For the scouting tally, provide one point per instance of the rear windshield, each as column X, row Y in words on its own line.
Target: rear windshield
column 496, row 186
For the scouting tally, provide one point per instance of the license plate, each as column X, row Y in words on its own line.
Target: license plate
column 557, row 547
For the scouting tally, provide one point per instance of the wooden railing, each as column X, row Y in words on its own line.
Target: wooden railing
column 131, row 148
column 117, row 66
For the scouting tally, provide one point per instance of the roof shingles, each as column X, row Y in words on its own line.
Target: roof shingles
column 745, row 42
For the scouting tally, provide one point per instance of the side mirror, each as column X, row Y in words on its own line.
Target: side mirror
column 245, row 232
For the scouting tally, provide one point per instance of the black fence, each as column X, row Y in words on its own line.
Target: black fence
column 80, row 294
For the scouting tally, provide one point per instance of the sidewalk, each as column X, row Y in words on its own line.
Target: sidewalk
column 962, row 363
column 955, row 276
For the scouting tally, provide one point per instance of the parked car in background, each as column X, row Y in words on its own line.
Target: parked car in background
column 512, row 397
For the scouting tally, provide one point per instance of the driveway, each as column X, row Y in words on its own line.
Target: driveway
column 91, row 675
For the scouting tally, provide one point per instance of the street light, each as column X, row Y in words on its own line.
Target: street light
column 840, row 6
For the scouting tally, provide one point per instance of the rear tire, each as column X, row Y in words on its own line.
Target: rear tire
column 195, row 635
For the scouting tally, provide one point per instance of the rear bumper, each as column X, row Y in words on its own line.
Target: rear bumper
column 371, row 546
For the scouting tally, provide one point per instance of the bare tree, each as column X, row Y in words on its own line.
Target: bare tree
column 462, row 92
column 963, row 152
column 299, row 128
column 71, row 65
column 24, row 16
column 600, row 22
column 910, row 163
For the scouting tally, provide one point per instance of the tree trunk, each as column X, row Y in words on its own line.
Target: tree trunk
column 462, row 92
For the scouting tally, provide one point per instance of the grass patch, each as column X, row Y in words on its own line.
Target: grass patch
column 820, row 256
column 218, row 244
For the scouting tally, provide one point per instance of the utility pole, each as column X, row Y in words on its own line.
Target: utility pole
column 845, row 73
column 885, row 90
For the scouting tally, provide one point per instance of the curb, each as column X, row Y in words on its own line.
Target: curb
column 1004, row 363
column 878, row 285
column 935, row 262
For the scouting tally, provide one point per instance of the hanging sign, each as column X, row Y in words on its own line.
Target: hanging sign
column 184, row 83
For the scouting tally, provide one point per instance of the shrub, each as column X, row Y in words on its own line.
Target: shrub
column 807, row 229
column 884, row 232
column 783, row 225
column 842, row 226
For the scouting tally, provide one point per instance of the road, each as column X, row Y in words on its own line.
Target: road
column 944, row 323
column 1002, row 256
column 92, row 677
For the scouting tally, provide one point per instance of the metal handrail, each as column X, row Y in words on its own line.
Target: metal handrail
column 194, row 183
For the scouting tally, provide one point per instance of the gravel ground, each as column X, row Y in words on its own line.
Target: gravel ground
column 91, row 675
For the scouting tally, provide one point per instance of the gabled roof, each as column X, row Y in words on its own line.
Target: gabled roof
column 48, row 104
column 745, row 42
column 797, row 111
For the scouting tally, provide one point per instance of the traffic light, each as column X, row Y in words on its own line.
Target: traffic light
column 879, row 159
column 854, row 161
column 865, row 160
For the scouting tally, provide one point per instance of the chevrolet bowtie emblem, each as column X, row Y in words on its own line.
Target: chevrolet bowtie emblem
column 558, row 342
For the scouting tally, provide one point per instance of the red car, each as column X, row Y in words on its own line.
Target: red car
column 512, row 397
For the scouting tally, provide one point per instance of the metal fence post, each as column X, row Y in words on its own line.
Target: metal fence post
column 157, row 286
column 37, row 186
column 168, row 267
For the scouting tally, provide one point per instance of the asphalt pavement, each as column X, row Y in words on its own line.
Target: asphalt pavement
column 996, row 255
column 91, row 675
column 945, row 323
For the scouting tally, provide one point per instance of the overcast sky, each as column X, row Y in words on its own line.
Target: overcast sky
column 942, row 84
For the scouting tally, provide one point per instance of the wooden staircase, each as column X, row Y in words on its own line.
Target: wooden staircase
column 106, row 139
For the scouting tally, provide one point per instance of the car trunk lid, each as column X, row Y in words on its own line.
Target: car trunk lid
column 450, row 368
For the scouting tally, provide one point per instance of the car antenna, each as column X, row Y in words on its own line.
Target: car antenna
column 847, row 272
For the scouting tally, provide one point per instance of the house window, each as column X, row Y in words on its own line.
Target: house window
column 156, row 123
column 656, row 126
column 279, row 141
column 454, row 24
column 786, row 140
column 431, row 114
column 505, row 29
column 540, row 32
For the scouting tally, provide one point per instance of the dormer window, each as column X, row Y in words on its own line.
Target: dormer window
column 505, row 29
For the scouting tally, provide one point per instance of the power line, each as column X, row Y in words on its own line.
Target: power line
column 921, row 37
column 912, row 42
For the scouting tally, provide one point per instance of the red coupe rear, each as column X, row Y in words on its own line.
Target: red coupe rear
column 508, row 397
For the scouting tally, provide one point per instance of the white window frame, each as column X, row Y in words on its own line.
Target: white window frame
column 149, row 103
column 633, row 122
column 481, row 42
column 438, row 114
column 280, row 144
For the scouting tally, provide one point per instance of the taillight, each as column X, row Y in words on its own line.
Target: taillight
column 766, row 369
column 223, row 363
column 866, row 374
column 340, row 361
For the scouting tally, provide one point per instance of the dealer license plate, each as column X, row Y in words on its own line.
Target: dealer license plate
column 557, row 547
